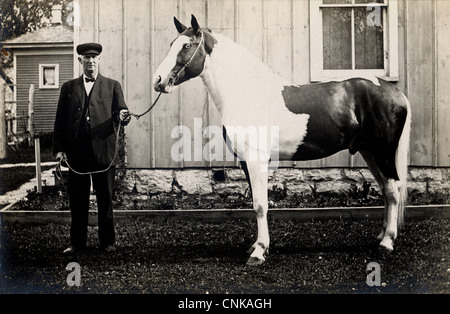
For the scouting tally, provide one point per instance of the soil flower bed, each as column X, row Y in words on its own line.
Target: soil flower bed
column 54, row 198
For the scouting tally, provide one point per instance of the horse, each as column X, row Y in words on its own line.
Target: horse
column 366, row 115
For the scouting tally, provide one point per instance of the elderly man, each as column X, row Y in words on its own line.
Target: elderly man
column 90, row 109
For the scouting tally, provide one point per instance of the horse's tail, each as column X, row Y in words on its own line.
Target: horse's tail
column 401, row 163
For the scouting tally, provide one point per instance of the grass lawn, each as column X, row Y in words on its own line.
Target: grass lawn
column 329, row 256
column 13, row 178
column 25, row 154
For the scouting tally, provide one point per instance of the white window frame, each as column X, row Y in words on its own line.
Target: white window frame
column 389, row 10
column 41, row 76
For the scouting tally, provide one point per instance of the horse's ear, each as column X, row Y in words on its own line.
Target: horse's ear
column 180, row 27
column 194, row 23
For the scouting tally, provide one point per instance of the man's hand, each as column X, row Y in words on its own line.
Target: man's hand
column 124, row 115
column 61, row 155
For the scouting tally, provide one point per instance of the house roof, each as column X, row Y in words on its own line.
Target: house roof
column 49, row 36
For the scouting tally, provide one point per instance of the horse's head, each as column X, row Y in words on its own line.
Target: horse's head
column 186, row 57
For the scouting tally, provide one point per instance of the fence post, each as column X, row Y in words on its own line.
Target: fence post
column 37, row 157
column 3, row 135
column 30, row 127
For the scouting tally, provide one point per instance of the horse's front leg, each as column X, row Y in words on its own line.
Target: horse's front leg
column 258, row 180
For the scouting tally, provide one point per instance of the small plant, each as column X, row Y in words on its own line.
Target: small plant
column 313, row 190
column 278, row 193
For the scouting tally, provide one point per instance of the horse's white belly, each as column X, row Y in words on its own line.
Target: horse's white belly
column 279, row 131
column 292, row 131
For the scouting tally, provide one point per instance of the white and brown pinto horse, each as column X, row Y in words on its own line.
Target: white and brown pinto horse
column 369, row 116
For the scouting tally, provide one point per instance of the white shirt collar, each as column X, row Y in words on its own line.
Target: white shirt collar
column 88, row 85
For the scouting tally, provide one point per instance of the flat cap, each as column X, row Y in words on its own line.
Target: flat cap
column 89, row 48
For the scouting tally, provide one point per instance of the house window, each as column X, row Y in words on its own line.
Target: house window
column 48, row 76
column 354, row 38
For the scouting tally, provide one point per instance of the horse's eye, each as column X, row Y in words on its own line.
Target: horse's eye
column 187, row 46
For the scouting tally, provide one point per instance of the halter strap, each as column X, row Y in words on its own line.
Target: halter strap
column 176, row 76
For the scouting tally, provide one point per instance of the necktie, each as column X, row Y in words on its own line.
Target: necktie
column 87, row 79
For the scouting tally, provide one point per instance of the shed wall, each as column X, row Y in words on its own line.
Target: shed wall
column 45, row 100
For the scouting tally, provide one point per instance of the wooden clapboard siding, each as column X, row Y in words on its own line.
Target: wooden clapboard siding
column 442, row 55
column 420, row 79
column 137, row 80
column 192, row 94
column 427, row 56
column 136, row 35
column 45, row 100
column 167, row 114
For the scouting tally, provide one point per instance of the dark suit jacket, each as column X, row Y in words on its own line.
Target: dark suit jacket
column 106, row 101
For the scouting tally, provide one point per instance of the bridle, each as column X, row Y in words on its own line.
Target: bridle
column 176, row 76
column 173, row 79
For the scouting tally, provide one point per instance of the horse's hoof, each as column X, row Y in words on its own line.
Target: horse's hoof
column 387, row 245
column 254, row 261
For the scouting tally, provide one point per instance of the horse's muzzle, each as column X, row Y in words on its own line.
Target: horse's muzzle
column 163, row 86
column 158, row 85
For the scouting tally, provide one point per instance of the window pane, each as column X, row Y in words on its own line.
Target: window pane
column 337, row 42
column 369, row 52
column 49, row 76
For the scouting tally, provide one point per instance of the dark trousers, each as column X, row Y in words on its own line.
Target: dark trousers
column 79, row 193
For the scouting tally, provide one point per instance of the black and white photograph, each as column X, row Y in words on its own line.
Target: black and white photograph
column 224, row 154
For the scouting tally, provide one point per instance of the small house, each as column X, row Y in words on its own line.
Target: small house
column 43, row 61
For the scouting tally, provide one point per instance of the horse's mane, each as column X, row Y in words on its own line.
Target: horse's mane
column 242, row 61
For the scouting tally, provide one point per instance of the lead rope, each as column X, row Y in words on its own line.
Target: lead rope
column 137, row 116
column 64, row 159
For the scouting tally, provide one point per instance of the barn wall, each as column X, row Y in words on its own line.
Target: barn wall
column 136, row 36
column 45, row 100
column 427, row 74
column 442, row 79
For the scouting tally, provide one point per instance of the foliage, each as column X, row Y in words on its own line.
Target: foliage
column 18, row 17
column 21, row 16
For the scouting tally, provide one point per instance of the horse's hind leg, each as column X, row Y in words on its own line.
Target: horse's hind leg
column 392, row 195
column 381, row 183
column 390, row 190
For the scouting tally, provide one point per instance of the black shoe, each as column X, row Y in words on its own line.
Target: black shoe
column 108, row 248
